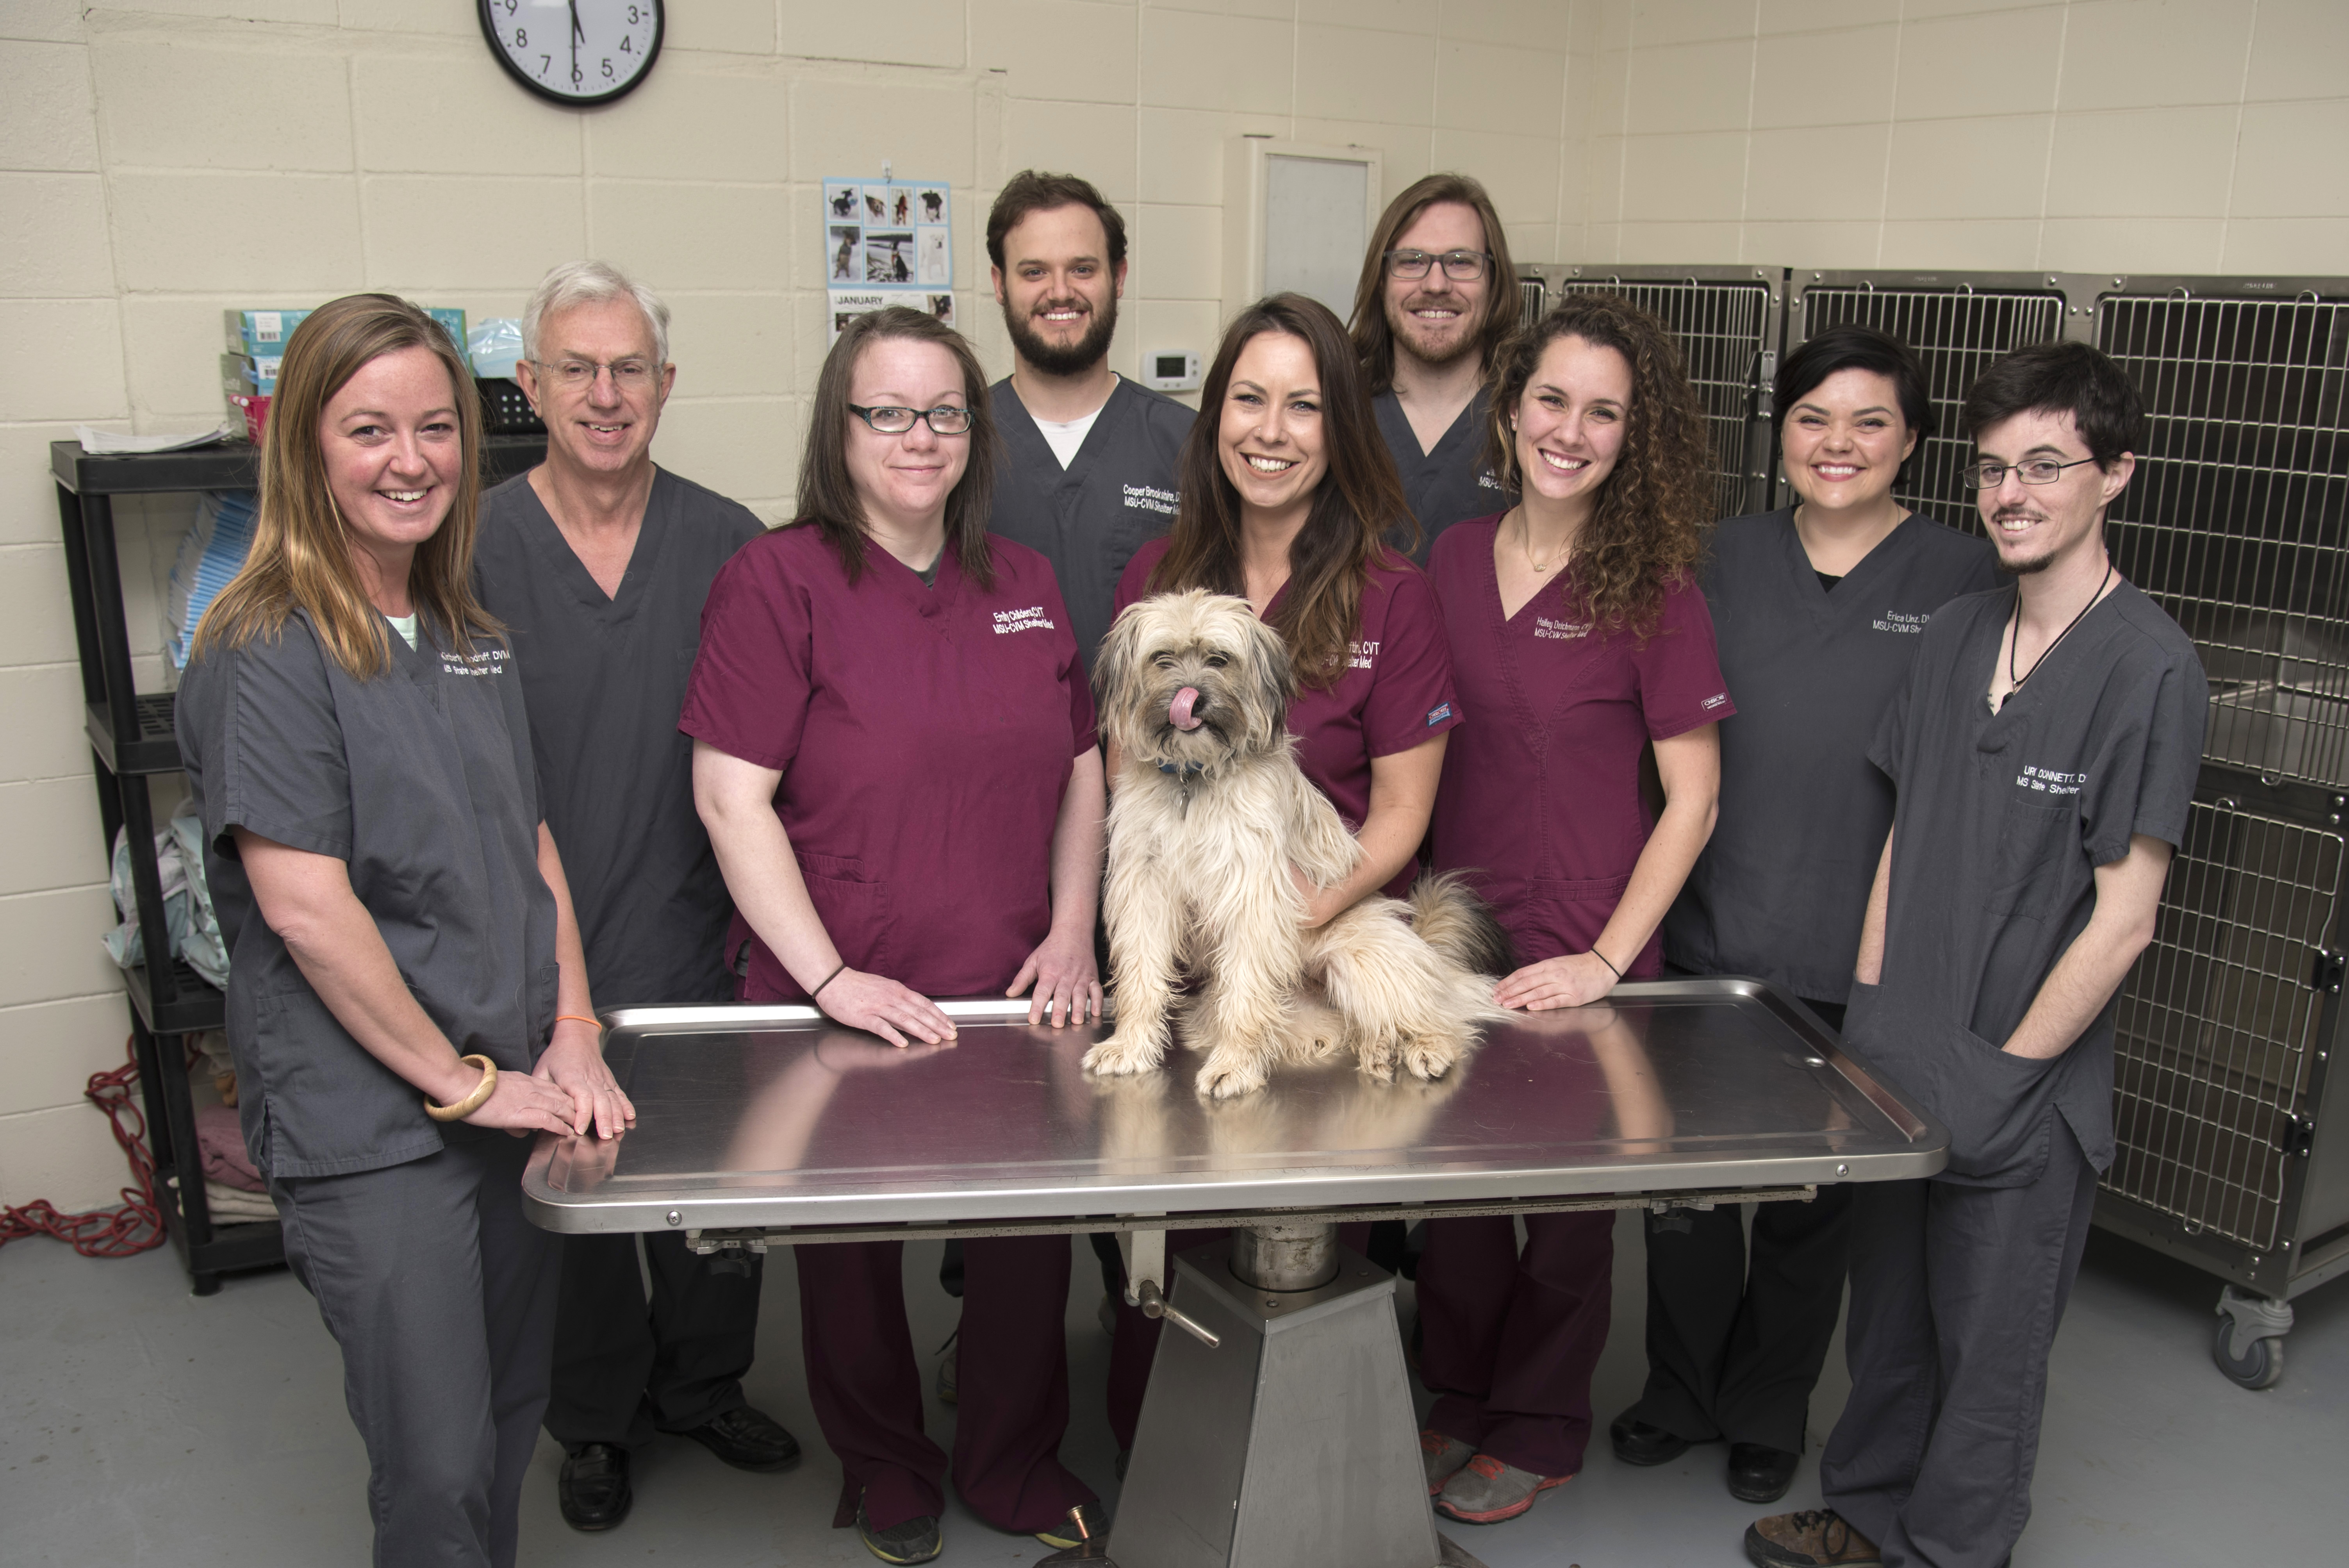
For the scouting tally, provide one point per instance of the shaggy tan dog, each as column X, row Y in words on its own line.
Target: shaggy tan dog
column 1209, row 814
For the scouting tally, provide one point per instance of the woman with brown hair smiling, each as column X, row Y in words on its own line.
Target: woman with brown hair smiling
column 1289, row 501
column 1580, row 640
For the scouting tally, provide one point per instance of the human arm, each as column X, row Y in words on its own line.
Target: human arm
column 308, row 899
column 1689, row 767
column 574, row 1057
column 736, row 800
column 2128, row 891
column 1063, row 970
column 1402, row 797
column 1869, row 969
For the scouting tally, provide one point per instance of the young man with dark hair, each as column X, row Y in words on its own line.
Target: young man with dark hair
column 1437, row 296
column 1087, row 475
column 2045, row 752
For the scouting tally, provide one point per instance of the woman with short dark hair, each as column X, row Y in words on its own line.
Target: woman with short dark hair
column 894, row 754
column 1818, row 608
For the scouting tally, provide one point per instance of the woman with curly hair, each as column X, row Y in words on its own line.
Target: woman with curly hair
column 1579, row 640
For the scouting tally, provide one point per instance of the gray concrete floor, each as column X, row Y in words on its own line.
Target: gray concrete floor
column 141, row 1426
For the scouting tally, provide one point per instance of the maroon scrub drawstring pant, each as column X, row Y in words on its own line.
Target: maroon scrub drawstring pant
column 1508, row 1344
column 1012, row 1381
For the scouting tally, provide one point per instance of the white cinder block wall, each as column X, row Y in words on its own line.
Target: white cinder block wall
column 160, row 161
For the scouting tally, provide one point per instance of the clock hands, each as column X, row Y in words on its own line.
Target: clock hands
column 576, row 34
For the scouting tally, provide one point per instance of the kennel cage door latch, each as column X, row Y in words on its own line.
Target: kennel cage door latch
column 2325, row 970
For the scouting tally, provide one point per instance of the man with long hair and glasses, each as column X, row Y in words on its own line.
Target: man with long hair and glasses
column 2045, row 751
column 1089, row 458
column 1437, row 298
column 598, row 562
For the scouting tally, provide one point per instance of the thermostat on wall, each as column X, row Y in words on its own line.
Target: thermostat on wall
column 1171, row 372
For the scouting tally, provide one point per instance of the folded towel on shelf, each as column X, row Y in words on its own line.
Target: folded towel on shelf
column 221, row 1142
column 230, row 1206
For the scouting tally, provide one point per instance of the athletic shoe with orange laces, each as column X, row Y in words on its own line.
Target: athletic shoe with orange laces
column 1487, row 1490
column 1815, row 1538
column 1443, row 1456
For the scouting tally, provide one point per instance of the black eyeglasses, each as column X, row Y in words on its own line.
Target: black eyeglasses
column 942, row 420
column 1990, row 473
column 1460, row 266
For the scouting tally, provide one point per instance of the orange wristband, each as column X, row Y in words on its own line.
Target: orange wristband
column 575, row 1018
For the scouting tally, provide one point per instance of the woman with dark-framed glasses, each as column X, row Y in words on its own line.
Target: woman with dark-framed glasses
column 894, row 752
column 1436, row 300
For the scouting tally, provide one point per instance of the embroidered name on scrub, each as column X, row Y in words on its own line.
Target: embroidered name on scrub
column 1150, row 498
column 489, row 661
column 1893, row 620
column 1560, row 631
column 1032, row 618
column 1359, row 654
column 2047, row 781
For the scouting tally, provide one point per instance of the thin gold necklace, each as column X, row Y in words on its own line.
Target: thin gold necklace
column 1526, row 523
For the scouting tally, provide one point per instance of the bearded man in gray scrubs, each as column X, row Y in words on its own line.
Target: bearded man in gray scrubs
column 1087, row 473
column 2045, row 753
column 598, row 564
column 1437, row 296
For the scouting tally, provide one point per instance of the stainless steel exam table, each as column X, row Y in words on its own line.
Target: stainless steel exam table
column 767, row 1126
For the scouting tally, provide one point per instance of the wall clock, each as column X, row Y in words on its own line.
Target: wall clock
column 574, row 52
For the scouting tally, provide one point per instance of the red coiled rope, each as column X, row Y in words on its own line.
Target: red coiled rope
column 118, row 1232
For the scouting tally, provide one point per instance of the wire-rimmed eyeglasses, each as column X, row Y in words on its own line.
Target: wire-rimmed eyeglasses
column 577, row 375
column 1988, row 473
column 944, row 419
column 1460, row 266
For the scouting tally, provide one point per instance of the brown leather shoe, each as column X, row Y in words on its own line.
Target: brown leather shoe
column 1815, row 1538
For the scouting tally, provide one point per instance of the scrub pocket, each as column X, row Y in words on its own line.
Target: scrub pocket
column 854, row 910
column 2027, row 873
column 2000, row 1108
column 331, row 1107
column 1566, row 917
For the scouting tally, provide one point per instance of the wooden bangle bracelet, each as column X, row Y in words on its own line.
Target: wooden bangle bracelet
column 470, row 1103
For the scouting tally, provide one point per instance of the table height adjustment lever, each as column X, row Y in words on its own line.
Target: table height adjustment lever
column 1155, row 1304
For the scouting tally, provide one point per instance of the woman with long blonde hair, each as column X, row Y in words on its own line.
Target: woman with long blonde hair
column 406, row 982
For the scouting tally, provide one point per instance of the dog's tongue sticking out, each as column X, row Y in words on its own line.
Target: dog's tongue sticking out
column 1178, row 712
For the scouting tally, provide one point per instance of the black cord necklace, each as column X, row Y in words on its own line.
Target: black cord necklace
column 2013, row 682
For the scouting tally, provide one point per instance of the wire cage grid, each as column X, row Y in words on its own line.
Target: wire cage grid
column 1729, row 321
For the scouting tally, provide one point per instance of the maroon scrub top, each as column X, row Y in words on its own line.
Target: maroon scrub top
column 1396, row 692
column 1540, row 799
column 925, row 736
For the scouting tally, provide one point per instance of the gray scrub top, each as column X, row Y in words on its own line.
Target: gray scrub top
column 604, row 678
column 1782, row 885
column 1089, row 519
column 1449, row 484
column 420, row 780
column 2001, row 823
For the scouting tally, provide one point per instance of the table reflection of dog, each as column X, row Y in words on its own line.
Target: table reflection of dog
column 1210, row 814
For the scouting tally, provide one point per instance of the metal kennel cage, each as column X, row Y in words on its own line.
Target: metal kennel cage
column 1731, row 321
column 2237, row 522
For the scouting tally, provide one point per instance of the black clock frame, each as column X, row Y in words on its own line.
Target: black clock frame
column 572, row 100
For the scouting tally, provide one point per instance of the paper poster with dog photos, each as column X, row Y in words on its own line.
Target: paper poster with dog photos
column 887, row 243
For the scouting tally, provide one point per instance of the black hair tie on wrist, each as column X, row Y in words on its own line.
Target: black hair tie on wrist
column 835, row 974
column 1602, row 958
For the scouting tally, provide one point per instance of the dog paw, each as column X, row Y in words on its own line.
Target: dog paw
column 1229, row 1080
column 1120, row 1054
column 1378, row 1060
column 1429, row 1059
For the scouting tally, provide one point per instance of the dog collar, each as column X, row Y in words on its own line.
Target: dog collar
column 1185, row 772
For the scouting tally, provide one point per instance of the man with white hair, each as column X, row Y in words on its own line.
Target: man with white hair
column 598, row 563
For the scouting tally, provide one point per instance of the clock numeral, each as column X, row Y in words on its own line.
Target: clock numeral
column 543, row 62
column 634, row 17
column 577, row 76
column 522, row 37
column 626, row 46
column 608, row 69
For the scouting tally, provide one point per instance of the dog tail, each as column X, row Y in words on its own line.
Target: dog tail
column 1455, row 922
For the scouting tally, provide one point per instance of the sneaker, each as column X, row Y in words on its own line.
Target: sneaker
column 916, row 1540
column 1815, row 1538
column 1487, row 1490
column 1444, row 1457
column 949, row 1390
column 1084, row 1523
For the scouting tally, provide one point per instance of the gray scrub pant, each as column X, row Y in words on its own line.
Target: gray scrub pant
column 1955, row 1296
column 442, row 1296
